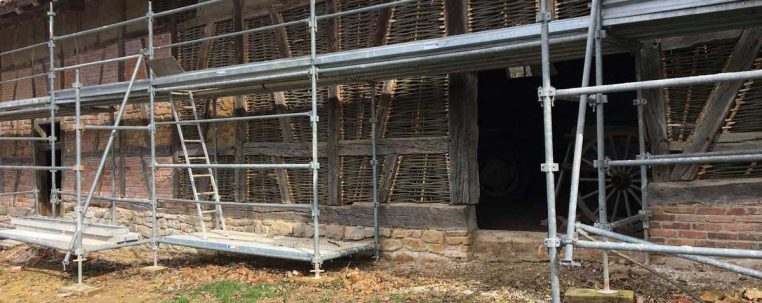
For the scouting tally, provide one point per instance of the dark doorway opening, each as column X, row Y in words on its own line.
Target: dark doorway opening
column 44, row 177
column 511, row 139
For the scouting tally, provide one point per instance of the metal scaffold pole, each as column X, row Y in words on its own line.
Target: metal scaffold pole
column 51, row 94
column 316, row 260
column 552, row 242
column 579, row 134
column 152, row 135
column 645, row 210
column 374, row 163
column 80, row 217
column 600, row 100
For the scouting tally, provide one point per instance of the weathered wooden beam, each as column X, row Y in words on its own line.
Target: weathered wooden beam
column 360, row 147
column 462, row 117
column 721, row 98
column 281, row 105
column 706, row 192
column 649, row 67
column 237, row 27
column 437, row 216
column 240, row 135
column 334, row 104
column 206, row 47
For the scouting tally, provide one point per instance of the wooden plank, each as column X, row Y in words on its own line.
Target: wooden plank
column 388, row 175
column 437, row 216
column 334, row 104
column 711, row 192
column 361, row 147
column 462, row 117
column 649, row 67
column 721, row 98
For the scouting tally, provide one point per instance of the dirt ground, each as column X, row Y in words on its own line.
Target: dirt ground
column 31, row 274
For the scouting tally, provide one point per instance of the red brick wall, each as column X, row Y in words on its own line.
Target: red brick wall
column 726, row 225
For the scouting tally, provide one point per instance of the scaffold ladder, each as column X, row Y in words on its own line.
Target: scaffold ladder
column 209, row 175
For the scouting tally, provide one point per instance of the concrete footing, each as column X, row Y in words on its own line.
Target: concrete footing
column 152, row 269
column 584, row 295
column 78, row 290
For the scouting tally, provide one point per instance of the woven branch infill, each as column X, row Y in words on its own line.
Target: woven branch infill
column 300, row 181
column 746, row 114
column 261, row 185
column 222, row 50
column 421, row 179
column 356, row 110
column 419, row 21
column 301, row 101
column 261, row 46
column 494, row 14
column 357, row 178
column 684, row 104
column 566, row 9
column 267, row 130
column 188, row 55
column 419, row 108
column 299, row 35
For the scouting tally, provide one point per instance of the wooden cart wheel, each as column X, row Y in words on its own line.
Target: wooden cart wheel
column 622, row 183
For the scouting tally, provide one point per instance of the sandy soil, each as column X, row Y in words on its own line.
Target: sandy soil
column 30, row 274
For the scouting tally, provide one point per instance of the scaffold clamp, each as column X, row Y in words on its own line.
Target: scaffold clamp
column 549, row 167
column 552, row 242
column 639, row 101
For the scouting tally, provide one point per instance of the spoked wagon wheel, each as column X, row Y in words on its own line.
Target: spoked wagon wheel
column 622, row 183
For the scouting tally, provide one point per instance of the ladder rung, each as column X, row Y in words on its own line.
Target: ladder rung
column 197, row 158
column 208, row 211
column 188, row 107
column 202, row 176
column 192, row 141
column 207, row 193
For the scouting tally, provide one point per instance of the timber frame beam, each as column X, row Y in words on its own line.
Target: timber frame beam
column 709, row 125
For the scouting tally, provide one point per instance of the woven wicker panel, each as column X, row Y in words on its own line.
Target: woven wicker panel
column 267, row 130
column 262, row 185
column 684, row 104
column 357, row 178
column 566, row 9
column 494, row 14
column 225, row 179
column 746, row 114
column 356, row 30
column 731, row 170
column 222, row 51
column 188, row 54
column 421, row 179
column 261, row 45
column 356, row 111
column 299, row 35
column 419, row 108
column 419, row 21
column 300, row 181
column 301, row 101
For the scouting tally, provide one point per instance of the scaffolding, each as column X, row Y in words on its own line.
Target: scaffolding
column 468, row 52
column 594, row 96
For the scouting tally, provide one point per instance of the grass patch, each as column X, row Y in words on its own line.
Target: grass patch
column 226, row 291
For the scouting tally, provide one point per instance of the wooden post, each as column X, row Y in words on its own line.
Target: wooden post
column 237, row 27
column 462, row 111
column 281, row 105
column 721, row 98
column 650, row 68
column 334, row 100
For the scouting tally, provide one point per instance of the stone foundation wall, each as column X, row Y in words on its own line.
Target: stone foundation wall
column 396, row 243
